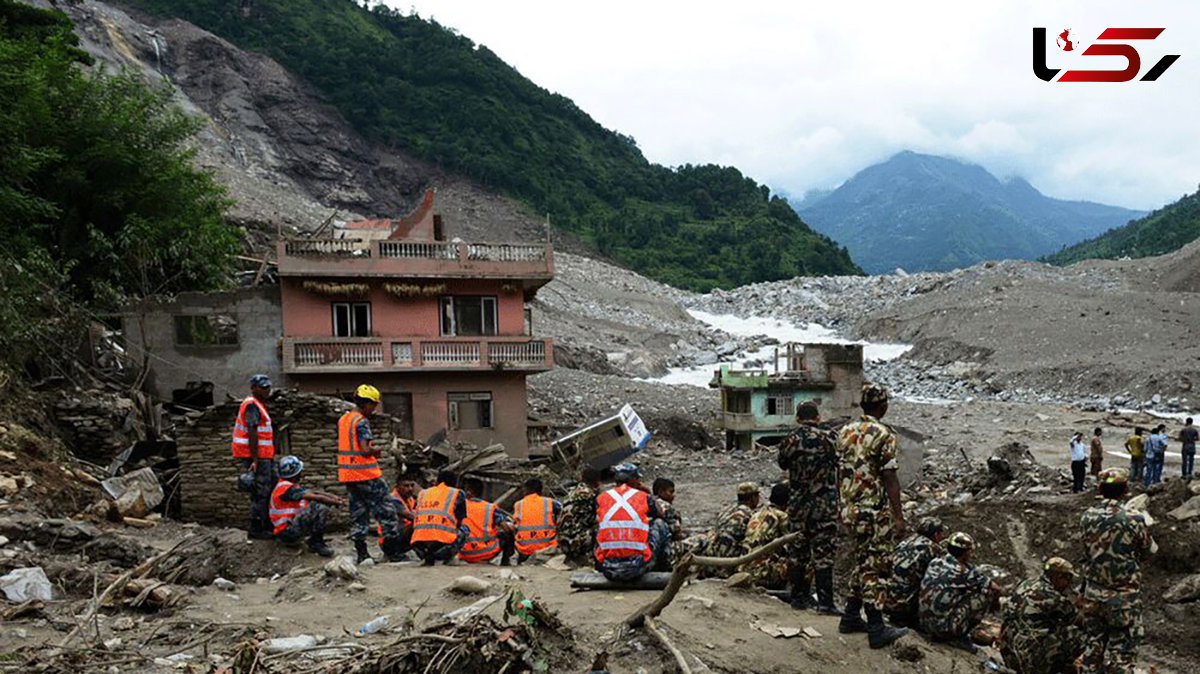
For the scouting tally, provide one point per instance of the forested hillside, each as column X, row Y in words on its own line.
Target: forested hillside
column 412, row 83
column 1166, row 230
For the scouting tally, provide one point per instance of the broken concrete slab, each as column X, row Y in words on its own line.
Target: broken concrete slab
column 1189, row 509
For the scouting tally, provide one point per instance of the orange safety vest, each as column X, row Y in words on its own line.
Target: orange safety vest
column 482, row 543
column 534, row 517
column 282, row 512
column 408, row 501
column 624, row 524
column 241, row 434
column 435, row 521
column 353, row 465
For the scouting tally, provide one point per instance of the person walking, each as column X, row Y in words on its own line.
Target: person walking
column 1136, row 446
column 1078, row 462
column 254, row 448
column 1097, row 447
column 1187, row 439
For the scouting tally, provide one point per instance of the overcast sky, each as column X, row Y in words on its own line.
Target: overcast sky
column 802, row 95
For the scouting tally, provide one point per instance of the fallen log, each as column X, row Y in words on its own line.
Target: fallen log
column 594, row 580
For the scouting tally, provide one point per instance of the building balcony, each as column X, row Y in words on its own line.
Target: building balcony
column 532, row 263
column 324, row 355
column 745, row 422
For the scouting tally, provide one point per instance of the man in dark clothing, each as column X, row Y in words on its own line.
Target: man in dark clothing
column 254, row 447
column 1187, row 439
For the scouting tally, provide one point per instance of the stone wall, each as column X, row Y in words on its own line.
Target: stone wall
column 305, row 425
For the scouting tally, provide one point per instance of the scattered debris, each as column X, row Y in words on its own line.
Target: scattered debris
column 1190, row 509
column 1186, row 590
column 776, row 631
column 224, row 584
column 342, row 568
column 372, row 626
column 469, row 585
column 21, row 585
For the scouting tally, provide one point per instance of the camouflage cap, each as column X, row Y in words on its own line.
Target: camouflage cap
column 928, row 526
column 874, row 394
column 961, row 540
column 1060, row 566
column 1114, row 476
column 746, row 488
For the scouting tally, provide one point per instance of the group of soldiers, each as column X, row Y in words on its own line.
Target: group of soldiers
column 840, row 484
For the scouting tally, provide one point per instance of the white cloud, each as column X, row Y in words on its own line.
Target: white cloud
column 802, row 94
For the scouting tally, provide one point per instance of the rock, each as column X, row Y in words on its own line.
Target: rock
column 224, row 584
column 27, row 583
column 1185, row 590
column 739, row 579
column 558, row 563
column 342, row 568
column 8, row 486
column 469, row 585
column 1187, row 511
column 509, row 574
column 123, row 624
column 357, row 587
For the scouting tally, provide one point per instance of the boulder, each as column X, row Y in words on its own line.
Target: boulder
column 1185, row 590
column 1187, row 511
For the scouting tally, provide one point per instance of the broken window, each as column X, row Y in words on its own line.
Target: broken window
column 779, row 405
column 206, row 330
column 469, row 411
column 351, row 319
column 468, row 316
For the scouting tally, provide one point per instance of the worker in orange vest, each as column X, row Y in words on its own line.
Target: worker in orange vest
column 630, row 532
column 297, row 511
column 440, row 527
column 535, row 517
column 254, row 448
column 489, row 531
column 404, row 499
column 358, row 470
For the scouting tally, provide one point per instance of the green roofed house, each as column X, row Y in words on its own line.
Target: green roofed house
column 759, row 405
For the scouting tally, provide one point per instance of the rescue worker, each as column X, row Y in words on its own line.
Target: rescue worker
column 534, row 518
column 909, row 563
column 404, row 500
column 489, row 531
column 809, row 455
column 440, row 527
column 728, row 539
column 870, row 493
column 630, row 532
column 254, row 448
column 955, row 595
column 297, row 511
column 358, row 470
column 772, row 571
column 1039, row 634
column 663, row 490
column 1116, row 543
column 577, row 526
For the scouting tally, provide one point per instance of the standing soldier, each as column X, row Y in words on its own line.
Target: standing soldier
column 772, row 571
column 909, row 563
column 870, row 492
column 358, row 469
column 1038, row 635
column 254, row 448
column 809, row 455
column 729, row 537
column 577, row 528
column 1116, row 542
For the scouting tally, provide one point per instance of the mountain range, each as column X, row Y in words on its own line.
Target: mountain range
column 1165, row 230
column 923, row 212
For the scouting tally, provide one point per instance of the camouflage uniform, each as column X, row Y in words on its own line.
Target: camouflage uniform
column 1116, row 542
column 577, row 526
column 309, row 522
column 674, row 521
column 729, row 538
column 1038, row 635
column 809, row 455
column 370, row 498
column 866, row 449
column 909, row 563
column 954, row 598
column 765, row 526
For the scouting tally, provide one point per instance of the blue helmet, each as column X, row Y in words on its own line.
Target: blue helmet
column 625, row 471
column 290, row 466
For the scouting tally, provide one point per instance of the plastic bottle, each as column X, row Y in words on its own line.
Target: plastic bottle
column 373, row 626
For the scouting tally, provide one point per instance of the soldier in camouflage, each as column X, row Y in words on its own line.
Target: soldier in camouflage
column 729, row 537
column 809, row 455
column 1116, row 542
column 664, row 497
column 870, row 492
column 577, row 525
column 1038, row 634
column 909, row 563
column 772, row 571
column 955, row 595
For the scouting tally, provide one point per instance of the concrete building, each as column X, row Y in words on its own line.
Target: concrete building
column 760, row 405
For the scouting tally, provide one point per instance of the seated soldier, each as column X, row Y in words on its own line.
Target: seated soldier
column 769, row 572
column 490, row 532
column 534, row 518
column 577, row 526
column 1039, row 633
column 955, row 595
column 630, row 532
column 440, row 527
column 909, row 563
column 292, row 515
column 404, row 498
column 664, row 498
column 729, row 537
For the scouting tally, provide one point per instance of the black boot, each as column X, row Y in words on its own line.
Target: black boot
column 801, row 596
column 880, row 634
column 852, row 617
column 360, row 551
column 317, row 545
column 824, row 578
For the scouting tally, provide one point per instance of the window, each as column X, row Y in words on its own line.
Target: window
column 469, row 411
column 206, row 330
column 468, row 316
column 779, row 405
column 351, row 319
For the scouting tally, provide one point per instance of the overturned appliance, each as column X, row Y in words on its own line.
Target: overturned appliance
column 604, row 443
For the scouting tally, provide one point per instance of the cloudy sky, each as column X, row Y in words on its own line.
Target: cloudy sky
column 802, row 95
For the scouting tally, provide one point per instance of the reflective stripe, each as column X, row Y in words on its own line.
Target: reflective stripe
column 622, row 545
column 441, row 527
column 353, row 465
column 265, row 434
column 434, row 517
column 624, row 524
column 623, row 531
column 282, row 512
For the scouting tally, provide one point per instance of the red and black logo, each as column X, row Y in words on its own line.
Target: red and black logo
column 1067, row 42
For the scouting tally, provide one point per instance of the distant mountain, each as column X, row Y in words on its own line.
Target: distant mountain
column 1164, row 231
column 923, row 212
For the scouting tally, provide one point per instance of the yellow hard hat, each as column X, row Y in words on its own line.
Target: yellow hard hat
column 367, row 392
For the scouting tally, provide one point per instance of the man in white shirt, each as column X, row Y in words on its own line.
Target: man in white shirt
column 1078, row 462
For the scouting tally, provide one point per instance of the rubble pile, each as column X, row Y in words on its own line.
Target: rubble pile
column 98, row 424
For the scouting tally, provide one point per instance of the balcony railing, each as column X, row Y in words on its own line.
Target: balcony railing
column 378, row 354
column 358, row 257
